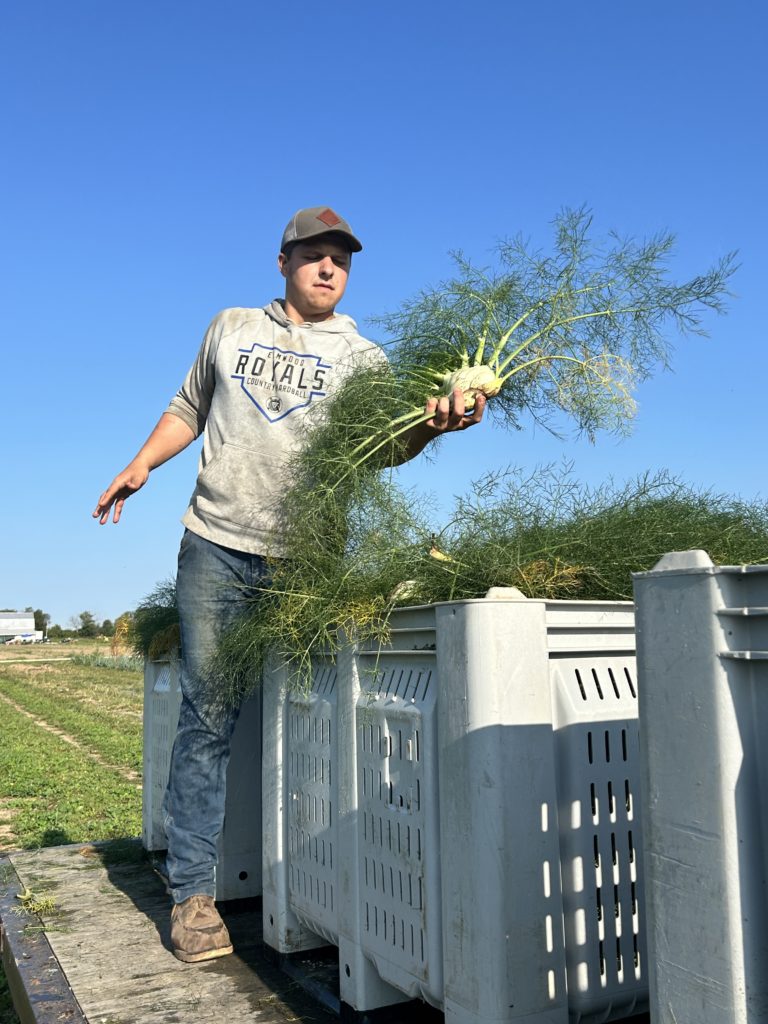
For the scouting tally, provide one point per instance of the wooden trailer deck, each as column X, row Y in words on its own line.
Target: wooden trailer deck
column 102, row 955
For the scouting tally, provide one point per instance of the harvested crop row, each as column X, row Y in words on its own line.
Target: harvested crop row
column 55, row 794
column 116, row 739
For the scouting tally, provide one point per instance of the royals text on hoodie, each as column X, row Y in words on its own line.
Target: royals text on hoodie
column 256, row 378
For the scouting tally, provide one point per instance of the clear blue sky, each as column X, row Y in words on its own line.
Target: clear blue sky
column 152, row 153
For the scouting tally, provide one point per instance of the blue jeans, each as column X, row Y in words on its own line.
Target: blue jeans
column 214, row 586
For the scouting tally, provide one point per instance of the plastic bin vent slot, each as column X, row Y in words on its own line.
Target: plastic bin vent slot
column 163, row 680
column 604, row 685
column 407, row 683
column 397, row 807
column 597, row 751
column 312, row 798
column 324, row 681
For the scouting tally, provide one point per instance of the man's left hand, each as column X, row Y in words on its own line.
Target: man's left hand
column 446, row 414
column 449, row 412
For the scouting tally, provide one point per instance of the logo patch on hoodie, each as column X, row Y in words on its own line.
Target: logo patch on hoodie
column 279, row 381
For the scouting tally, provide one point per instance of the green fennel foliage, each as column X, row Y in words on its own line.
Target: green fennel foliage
column 154, row 627
column 553, row 537
column 568, row 333
column 564, row 334
column 544, row 533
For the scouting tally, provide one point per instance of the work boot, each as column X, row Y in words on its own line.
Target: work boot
column 197, row 931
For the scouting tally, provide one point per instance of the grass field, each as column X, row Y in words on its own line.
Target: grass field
column 70, row 751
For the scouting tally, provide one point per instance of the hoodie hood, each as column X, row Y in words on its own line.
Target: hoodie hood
column 339, row 323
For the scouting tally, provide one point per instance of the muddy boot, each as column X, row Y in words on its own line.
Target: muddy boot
column 197, row 931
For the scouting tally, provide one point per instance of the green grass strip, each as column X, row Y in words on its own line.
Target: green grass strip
column 56, row 795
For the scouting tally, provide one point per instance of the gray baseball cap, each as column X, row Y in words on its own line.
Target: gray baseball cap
column 317, row 220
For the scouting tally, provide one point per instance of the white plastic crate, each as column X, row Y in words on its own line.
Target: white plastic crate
column 595, row 718
column 458, row 786
column 238, row 871
column 703, row 662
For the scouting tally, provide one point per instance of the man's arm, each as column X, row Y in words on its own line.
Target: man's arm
column 171, row 436
column 180, row 424
column 448, row 414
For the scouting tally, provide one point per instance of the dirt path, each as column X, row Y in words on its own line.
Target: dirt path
column 8, row 838
column 126, row 773
column 6, row 832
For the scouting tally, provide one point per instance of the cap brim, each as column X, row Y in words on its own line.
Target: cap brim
column 354, row 243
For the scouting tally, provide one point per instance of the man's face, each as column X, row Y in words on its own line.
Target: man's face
column 315, row 277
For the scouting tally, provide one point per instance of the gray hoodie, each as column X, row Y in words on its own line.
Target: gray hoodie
column 256, row 377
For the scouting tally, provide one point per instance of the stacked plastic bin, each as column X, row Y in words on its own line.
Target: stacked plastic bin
column 424, row 800
column 703, row 661
column 238, row 872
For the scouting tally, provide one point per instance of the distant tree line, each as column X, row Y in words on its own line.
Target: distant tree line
column 84, row 625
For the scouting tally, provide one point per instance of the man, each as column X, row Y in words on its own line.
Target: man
column 256, row 374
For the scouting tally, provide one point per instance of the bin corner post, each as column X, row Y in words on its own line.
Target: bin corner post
column 239, row 854
column 360, row 985
column 282, row 930
column 162, row 700
column 147, row 767
column 702, row 643
column 503, row 944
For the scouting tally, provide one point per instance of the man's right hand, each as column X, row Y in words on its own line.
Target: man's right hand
column 170, row 436
column 132, row 479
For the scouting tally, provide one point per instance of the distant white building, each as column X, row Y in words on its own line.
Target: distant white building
column 13, row 624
